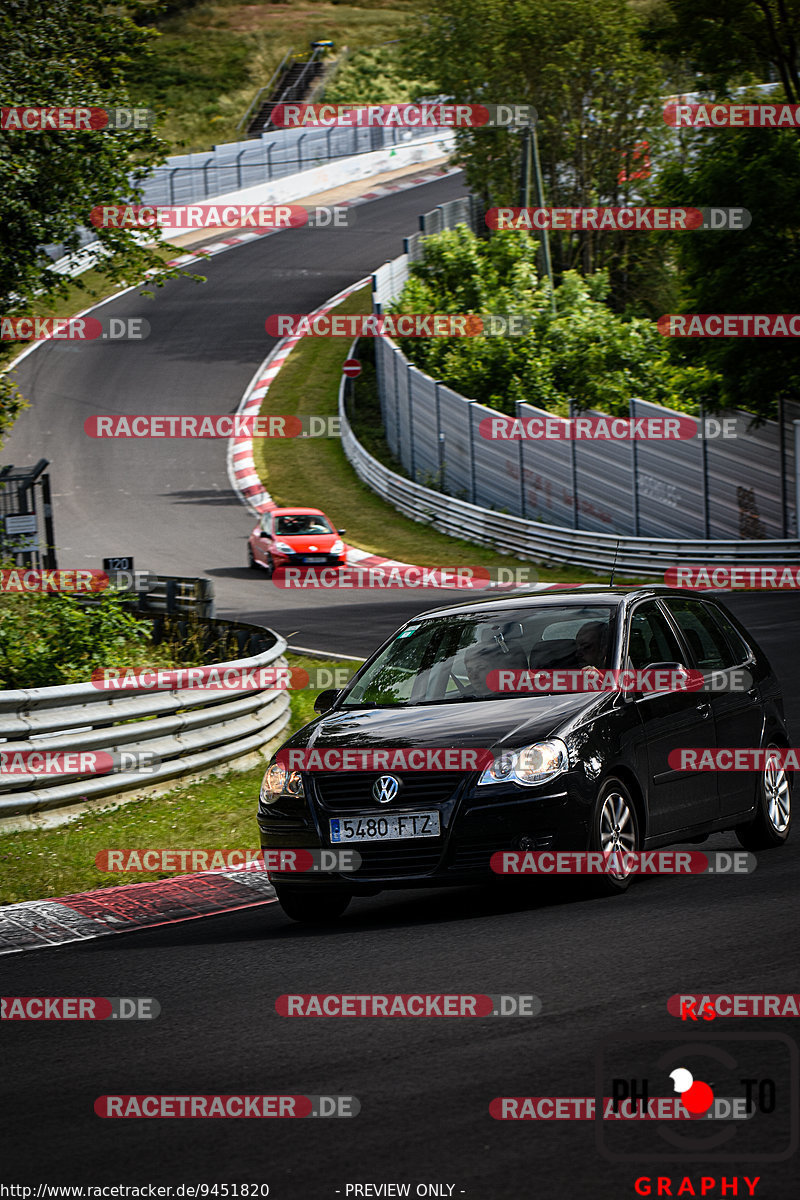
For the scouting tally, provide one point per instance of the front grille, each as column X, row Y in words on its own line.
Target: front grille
column 397, row 859
column 353, row 789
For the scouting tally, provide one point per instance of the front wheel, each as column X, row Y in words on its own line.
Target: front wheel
column 772, row 822
column 614, row 831
column 251, row 558
column 313, row 906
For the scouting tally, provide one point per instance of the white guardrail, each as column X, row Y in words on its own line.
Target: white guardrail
column 188, row 730
column 547, row 543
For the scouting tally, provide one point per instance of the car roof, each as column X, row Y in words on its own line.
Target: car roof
column 297, row 512
column 585, row 593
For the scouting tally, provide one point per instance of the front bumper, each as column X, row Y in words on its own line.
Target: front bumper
column 475, row 823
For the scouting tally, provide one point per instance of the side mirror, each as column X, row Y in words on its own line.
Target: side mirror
column 672, row 668
column 341, row 531
column 264, row 533
column 325, row 700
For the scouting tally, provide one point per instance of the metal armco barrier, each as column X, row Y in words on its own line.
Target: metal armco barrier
column 538, row 542
column 177, row 594
column 189, row 730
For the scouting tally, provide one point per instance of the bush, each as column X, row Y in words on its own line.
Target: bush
column 586, row 352
column 55, row 639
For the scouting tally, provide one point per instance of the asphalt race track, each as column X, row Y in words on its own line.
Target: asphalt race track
column 603, row 968
column 170, row 503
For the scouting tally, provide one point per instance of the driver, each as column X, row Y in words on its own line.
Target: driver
column 482, row 658
column 591, row 645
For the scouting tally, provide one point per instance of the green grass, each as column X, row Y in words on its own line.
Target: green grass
column 216, row 813
column 212, row 58
column 314, row 472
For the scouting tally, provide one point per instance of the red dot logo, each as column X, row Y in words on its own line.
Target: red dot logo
column 696, row 1096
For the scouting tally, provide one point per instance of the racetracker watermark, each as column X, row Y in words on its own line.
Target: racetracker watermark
column 649, row 220
column 82, row 580
column 404, row 575
column 220, row 216
column 733, row 578
column 193, row 861
column 219, row 425
column 399, row 758
column 431, row 115
column 76, row 762
column 219, row 678
column 399, row 325
column 734, row 758
column 631, row 862
column 584, row 1108
column 79, row 1008
column 732, row 116
column 73, row 120
column 73, row 329
column 396, row 1004
column 738, row 325
column 227, row 1106
column 726, row 1004
column 592, row 679
column 580, row 429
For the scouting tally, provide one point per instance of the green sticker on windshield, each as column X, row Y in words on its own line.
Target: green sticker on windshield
column 408, row 632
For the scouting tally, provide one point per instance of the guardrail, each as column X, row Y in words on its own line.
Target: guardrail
column 189, row 730
column 536, row 541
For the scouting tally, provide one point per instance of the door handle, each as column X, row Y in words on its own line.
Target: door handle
column 704, row 710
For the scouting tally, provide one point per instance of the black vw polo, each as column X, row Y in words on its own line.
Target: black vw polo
column 560, row 769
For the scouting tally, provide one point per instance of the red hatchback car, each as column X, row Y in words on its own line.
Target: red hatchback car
column 293, row 537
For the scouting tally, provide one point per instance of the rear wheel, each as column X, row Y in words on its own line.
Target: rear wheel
column 313, row 906
column 614, row 831
column 773, row 818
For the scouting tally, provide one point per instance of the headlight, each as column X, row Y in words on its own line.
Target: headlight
column 337, row 547
column 530, row 766
column 279, row 782
column 284, row 549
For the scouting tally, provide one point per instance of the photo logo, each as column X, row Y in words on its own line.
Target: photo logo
column 732, row 116
column 733, row 578
column 73, row 329
column 406, row 116
column 738, row 325
column 73, row 120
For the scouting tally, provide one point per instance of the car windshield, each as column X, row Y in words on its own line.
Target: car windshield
column 301, row 525
column 483, row 656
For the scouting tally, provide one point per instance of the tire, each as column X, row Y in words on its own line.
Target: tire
column 251, row 562
column 615, row 824
column 773, row 820
column 313, row 906
column 270, row 567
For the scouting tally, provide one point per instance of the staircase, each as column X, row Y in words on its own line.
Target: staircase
column 292, row 86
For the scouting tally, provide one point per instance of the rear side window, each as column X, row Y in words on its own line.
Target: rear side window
column 711, row 645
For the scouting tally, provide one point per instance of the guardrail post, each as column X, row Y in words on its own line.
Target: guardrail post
column 521, row 464
column 172, row 595
column 797, row 477
column 171, row 185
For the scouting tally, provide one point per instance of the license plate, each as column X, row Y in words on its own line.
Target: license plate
column 385, row 829
column 315, row 560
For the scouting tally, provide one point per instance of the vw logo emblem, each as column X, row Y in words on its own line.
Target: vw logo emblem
column 385, row 788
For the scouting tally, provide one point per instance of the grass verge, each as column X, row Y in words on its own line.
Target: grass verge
column 216, row 813
column 314, row 472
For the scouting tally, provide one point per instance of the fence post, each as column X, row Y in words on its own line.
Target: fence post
column 635, row 469
column 574, row 465
column 797, row 476
column 784, row 497
column 410, row 404
column 518, row 415
column 704, row 460
column 171, row 185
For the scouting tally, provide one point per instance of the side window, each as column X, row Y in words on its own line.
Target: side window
column 738, row 647
column 650, row 638
column 705, row 636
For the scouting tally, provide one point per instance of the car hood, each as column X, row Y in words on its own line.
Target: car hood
column 304, row 543
column 487, row 724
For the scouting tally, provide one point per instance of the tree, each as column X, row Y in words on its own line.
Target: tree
column 66, row 53
column 725, row 41
column 582, row 65
column 756, row 270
